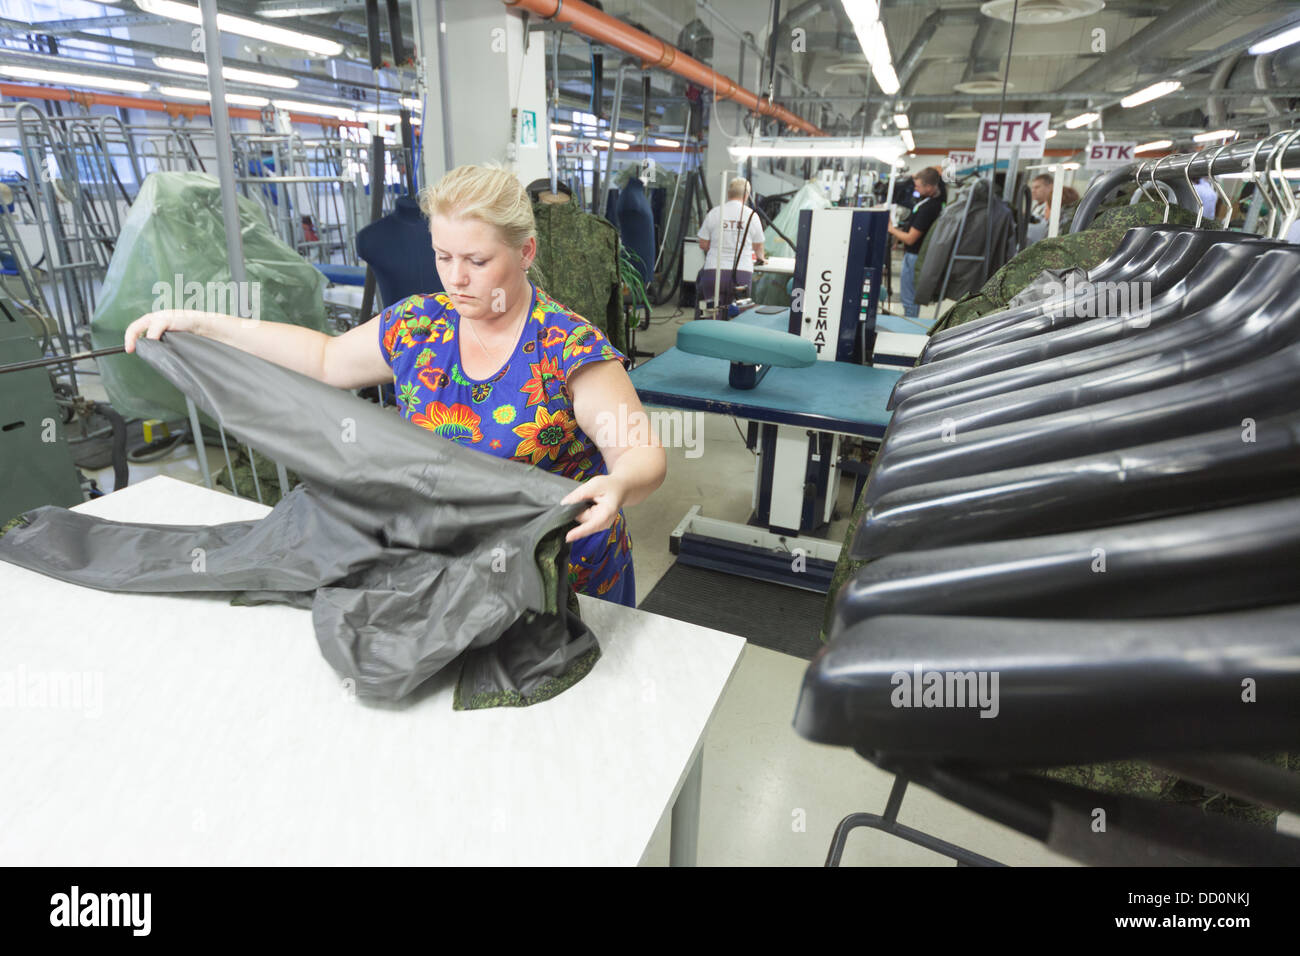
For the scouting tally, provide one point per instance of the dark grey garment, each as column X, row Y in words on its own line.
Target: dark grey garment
column 408, row 548
column 967, row 274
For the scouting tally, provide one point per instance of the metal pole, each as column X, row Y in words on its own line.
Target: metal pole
column 229, row 212
column 221, row 127
column 1058, row 184
column 444, row 86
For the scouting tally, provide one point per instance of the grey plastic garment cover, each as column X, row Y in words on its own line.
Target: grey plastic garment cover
column 408, row 548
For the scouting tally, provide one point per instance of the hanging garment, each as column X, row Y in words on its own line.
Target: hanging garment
column 399, row 249
column 171, row 254
column 636, row 227
column 410, row 550
column 1076, row 249
column 578, row 254
column 941, row 240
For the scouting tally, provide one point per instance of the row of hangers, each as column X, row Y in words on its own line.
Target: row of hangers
column 1272, row 181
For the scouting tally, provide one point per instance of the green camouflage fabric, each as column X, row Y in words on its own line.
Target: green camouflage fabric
column 578, row 253
column 1084, row 250
column 1136, row 778
column 549, row 559
column 243, row 484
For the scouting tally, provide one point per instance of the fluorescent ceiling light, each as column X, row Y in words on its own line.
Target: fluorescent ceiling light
column 1070, row 166
column 625, row 137
column 908, row 141
column 865, row 17
column 199, row 68
column 295, row 106
column 254, row 29
column 621, row 146
column 234, row 99
column 562, row 139
column 1276, row 42
column 901, row 121
column 1153, row 146
column 1214, row 136
column 1050, row 133
column 599, row 144
column 1083, row 119
column 884, row 148
column 306, row 10
column 666, row 142
column 410, row 102
column 562, row 127
column 73, row 79
column 387, row 119
column 1152, row 92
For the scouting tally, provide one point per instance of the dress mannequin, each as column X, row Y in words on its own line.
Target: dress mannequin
column 399, row 251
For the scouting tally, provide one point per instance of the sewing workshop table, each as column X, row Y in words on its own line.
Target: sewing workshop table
column 835, row 397
column 219, row 735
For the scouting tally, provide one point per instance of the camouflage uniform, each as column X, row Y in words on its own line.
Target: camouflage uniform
column 1082, row 249
column 578, row 253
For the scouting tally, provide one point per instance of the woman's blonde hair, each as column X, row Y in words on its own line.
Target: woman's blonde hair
column 489, row 194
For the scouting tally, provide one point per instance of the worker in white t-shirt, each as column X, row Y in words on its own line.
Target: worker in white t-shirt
column 721, row 235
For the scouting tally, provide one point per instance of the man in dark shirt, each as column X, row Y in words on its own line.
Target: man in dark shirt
column 924, row 213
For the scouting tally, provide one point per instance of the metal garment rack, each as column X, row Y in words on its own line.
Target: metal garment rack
column 82, row 172
column 1248, row 156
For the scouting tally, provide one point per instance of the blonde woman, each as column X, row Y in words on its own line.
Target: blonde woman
column 494, row 364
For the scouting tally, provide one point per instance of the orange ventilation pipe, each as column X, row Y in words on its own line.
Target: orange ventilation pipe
column 652, row 52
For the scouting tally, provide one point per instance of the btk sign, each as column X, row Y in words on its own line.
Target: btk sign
column 1110, row 155
column 1024, row 131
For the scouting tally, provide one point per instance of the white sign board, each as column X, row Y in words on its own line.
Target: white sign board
column 1026, row 131
column 1111, row 155
column 823, row 299
column 958, row 160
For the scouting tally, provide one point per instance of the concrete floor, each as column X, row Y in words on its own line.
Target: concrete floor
column 769, row 798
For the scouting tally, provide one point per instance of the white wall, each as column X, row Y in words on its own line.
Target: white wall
column 488, row 76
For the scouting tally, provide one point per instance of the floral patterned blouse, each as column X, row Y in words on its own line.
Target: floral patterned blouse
column 523, row 412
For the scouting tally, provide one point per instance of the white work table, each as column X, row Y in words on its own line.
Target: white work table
column 220, row 735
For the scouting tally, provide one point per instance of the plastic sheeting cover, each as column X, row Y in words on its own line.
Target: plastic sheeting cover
column 171, row 254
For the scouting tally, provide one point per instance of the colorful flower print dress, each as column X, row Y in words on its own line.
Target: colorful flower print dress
column 523, row 412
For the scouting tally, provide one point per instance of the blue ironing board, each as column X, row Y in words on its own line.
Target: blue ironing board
column 828, row 396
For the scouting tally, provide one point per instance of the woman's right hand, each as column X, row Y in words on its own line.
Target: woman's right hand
column 154, row 324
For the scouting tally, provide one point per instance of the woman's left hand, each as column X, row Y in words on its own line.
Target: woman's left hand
column 606, row 494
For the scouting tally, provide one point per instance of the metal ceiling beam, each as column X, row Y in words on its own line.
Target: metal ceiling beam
column 160, row 49
column 56, row 27
column 59, row 27
column 332, row 6
column 151, row 75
